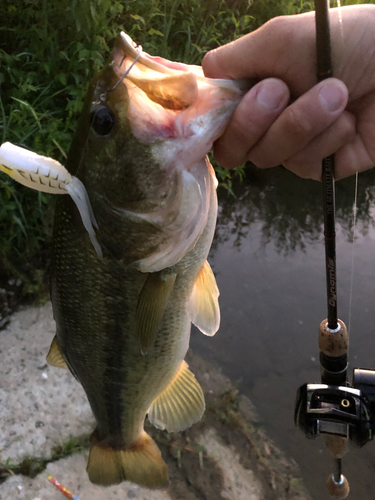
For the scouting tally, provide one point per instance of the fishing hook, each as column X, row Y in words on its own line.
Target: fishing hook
column 104, row 95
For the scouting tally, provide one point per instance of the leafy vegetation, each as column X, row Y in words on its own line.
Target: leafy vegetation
column 50, row 49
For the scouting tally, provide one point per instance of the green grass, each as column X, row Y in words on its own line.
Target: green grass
column 49, row 51
column 32, row 466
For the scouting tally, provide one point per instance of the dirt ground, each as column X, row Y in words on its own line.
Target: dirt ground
column 237, row 426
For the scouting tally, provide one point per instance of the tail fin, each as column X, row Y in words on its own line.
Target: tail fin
column 141, row 463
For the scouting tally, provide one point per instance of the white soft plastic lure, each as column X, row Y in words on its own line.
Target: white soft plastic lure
column 49, row 176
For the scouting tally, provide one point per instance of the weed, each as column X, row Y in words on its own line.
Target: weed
column 32, row 466
column 72, row 445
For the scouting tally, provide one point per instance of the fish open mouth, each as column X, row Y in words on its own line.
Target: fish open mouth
column 169, row 100
column 170, row 84
column 173, row 85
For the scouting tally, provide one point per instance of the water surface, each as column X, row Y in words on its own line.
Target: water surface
column 268, row 256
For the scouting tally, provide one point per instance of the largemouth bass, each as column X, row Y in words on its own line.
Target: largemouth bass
column 124, row 297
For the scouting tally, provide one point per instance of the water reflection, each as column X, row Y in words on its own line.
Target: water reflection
column 289, row 209
column 268, row 257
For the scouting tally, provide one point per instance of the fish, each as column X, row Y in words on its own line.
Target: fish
column 124, row 297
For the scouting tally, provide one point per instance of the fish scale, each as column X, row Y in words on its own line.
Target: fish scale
column 106, row 326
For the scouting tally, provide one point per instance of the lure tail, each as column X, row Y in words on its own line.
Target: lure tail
column 141, row 463
column 48, row 176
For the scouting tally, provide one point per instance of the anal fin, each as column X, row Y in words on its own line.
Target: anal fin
column 141, row 463
column 151, row 305
column 54, row 357
column 180, row 405
column 203, row 306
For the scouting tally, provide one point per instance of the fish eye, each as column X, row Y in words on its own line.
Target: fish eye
column 102, row 120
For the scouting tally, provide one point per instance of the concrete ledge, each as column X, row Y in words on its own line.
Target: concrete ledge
column 40, row 406
column 226, row 455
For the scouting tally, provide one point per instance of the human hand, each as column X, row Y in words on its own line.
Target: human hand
column 287, row 118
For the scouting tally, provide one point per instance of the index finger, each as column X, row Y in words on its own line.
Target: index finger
column 283, row 48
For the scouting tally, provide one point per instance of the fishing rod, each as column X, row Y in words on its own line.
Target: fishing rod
column 335, row 409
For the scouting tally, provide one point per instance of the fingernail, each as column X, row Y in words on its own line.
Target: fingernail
column 210, row 66
column 270, row 95
column 332, row 96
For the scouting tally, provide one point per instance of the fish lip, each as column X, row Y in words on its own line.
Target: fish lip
column 175, row 86
column 170, row 100
column 125, row 47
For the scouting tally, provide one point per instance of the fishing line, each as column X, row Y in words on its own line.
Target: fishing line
column 341, row 25
column 340, row 20
column 355, row 208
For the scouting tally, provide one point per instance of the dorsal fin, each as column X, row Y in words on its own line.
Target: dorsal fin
column 180, row 405
column 54, row 356
column 151, row 305
column 203, row 307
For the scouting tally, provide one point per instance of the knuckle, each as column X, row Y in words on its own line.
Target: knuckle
column 299, row 125
column 224, row 159
column 260, row 160
column 279, row 25
column 304, row 170
column 279, row 28
column 348, row 125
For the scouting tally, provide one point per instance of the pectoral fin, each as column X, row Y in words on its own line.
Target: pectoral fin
column 151, row 305
column 180, row 405
column 204, row 308
column 54, row 357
